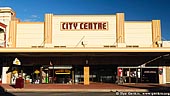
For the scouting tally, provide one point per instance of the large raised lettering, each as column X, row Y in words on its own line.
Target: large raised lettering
column 94, row 25
column 84, row 26
column 104, row 26
column 63, row 26
column 70, row 25
column 75, row 25
column 81, row 25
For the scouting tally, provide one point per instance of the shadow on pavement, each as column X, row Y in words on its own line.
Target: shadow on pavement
column 151, row 87
column 4, row 93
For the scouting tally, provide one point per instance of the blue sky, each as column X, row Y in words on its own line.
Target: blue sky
column 135, row 10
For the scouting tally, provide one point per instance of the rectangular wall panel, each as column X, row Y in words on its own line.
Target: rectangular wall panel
column 30, row 34
column 138, row 33
column 90, row 37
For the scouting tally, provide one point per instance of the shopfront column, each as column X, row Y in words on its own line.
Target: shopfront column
column 12, row 33
column 86, row 75
column 48, row 28
column 120, row 30
column 160, row 72
column 5, row 76
column 167, row 72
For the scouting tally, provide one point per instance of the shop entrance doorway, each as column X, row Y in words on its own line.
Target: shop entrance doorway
column 59, row 74
column 98, row 73
column 62, row 76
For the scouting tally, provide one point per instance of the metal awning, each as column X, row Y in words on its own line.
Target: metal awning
column 59, row 50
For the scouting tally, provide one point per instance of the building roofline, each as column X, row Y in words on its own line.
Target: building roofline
column 83, row 14
column 7, row 9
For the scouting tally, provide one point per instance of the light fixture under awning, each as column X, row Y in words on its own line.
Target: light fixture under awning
column 60, row 67
column 62, row 73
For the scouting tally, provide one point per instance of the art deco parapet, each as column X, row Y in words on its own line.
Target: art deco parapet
column 156, row 32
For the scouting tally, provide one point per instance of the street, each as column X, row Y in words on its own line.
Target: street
column 85, row 94
column 58, row 94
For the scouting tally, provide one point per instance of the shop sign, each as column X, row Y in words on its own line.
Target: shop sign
column 120, row 72
column 83, row 26
column 15, row 71
column 16, row 62
column 149, row 71
column 36, row 72
column 62, row 71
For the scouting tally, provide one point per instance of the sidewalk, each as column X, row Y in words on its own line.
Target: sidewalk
column 93, row 87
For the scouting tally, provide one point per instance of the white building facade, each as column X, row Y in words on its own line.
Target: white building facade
column 85, row 32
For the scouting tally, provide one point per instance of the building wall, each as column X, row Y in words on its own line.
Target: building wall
column 2, row 36
column 138, row 33
column 56, row 30
column 132, row 33
column 5, row 18
column 90, row 37
column 119, row 32
column 30, row 34
column 166, row 44
column 7, row 15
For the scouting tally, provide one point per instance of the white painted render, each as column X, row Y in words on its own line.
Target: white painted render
column 138, row 33
column 30, row 34
column 91, row 38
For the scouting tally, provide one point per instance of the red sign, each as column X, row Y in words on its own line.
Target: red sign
column 119, row 71
column 67, row 26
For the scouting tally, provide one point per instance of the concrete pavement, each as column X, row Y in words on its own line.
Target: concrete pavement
column 93, row 87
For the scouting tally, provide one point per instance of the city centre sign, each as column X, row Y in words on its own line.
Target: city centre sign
column 83, row 26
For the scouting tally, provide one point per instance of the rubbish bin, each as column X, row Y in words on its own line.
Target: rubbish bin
column 19, row 83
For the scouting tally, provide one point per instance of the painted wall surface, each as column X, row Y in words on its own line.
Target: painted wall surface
column 2, row 41
column 5, row 18
column 166, row 44
column 84, row 31
column 138, row 33
column 30, row 34
column 64, row 35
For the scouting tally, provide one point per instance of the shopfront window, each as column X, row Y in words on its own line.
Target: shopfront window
column 140, row 75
